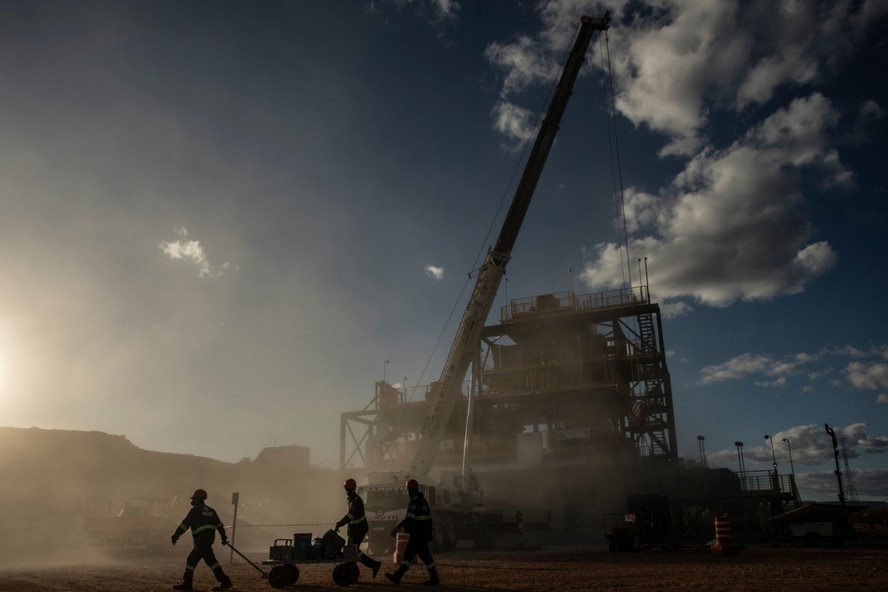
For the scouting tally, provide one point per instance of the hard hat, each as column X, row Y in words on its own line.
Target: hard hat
column 412, row 484
column 350, row 484
column 199, row 494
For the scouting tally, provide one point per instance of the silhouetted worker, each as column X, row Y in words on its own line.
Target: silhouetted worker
column 203, row 522
column 418, row 524
column 357, row 524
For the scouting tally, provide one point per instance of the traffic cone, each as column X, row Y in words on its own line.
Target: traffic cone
column 723, row 544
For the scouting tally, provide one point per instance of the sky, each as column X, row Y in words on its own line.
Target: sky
column 221, row 223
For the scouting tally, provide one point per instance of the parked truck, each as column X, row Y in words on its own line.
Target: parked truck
column 141, row 528
column 385, row 502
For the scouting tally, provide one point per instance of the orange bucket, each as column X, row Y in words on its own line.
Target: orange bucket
column 401, row 540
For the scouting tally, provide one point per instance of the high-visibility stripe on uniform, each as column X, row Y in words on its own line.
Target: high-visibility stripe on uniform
column 203, row 528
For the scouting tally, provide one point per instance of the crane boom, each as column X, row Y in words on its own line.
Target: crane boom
column 449, row 385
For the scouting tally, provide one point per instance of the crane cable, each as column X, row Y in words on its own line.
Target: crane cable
column 619, row 194
column 616, row 164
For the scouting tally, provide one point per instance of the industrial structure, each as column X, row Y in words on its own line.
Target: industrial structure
column 570, row 420
column 567, row 412
column 570, row 389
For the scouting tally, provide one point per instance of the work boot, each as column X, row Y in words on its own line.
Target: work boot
column 394, row 578
column 433, row 579
column 183, row 586
column 376, row 567
column 223, row 585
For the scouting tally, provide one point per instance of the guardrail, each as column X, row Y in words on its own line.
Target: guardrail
column 571, row 302
column 764, row 481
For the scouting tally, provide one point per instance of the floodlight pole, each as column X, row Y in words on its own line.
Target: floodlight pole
column 795, row 489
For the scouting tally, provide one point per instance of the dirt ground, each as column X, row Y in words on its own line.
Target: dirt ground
column 781, row 569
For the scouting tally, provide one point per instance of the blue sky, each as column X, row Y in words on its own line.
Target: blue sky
column 219, row 220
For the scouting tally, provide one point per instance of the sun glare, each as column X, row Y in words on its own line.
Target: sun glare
column 5, row 368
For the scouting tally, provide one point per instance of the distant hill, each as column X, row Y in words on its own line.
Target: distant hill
column 50, row 479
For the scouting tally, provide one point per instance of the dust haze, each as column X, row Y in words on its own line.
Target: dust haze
column 65, row 495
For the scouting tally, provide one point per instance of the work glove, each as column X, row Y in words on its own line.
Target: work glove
column 173, row 539
column 394, row 532
column 224, row 542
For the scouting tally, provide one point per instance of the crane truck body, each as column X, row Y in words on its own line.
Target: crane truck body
column 456, row 498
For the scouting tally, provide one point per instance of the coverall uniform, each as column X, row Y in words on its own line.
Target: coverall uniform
column 203, row 522
column 418, row 524
column 356, row 520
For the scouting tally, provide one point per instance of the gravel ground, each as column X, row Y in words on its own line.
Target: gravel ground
column 768, row 569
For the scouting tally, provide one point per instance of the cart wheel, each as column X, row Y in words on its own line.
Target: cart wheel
column 343, row 574
column 292, row 574
column 279, row 576
column 356, row 573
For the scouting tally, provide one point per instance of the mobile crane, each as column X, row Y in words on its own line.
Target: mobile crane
column 457, row 499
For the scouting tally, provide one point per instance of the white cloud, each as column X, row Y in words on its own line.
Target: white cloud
column 668, row 65
column 675, row 309
column 446, row 8
column 870, row 376
column 673, row 67
column 737, row 367
column 191, row 252
column 776, row 383
column 675, row 61
column 515, row 123
column 770, row 371
column 810, row 445
column 431, row 10
column 641, row 210
column 524, row 63
column 798, row 135
column 435, row 272
column 731, row 226
column 871, row 111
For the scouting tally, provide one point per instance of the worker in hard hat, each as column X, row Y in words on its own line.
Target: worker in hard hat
column 418, row 524
column 356, row 520
column 203, row 522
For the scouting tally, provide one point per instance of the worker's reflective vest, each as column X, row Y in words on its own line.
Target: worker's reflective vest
column 419, row 516
column 356, row 518
column 203, row 522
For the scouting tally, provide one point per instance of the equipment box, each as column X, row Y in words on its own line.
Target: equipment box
column 333, row 544
column 288, row 550
column 282, row 550
column 301, row 545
